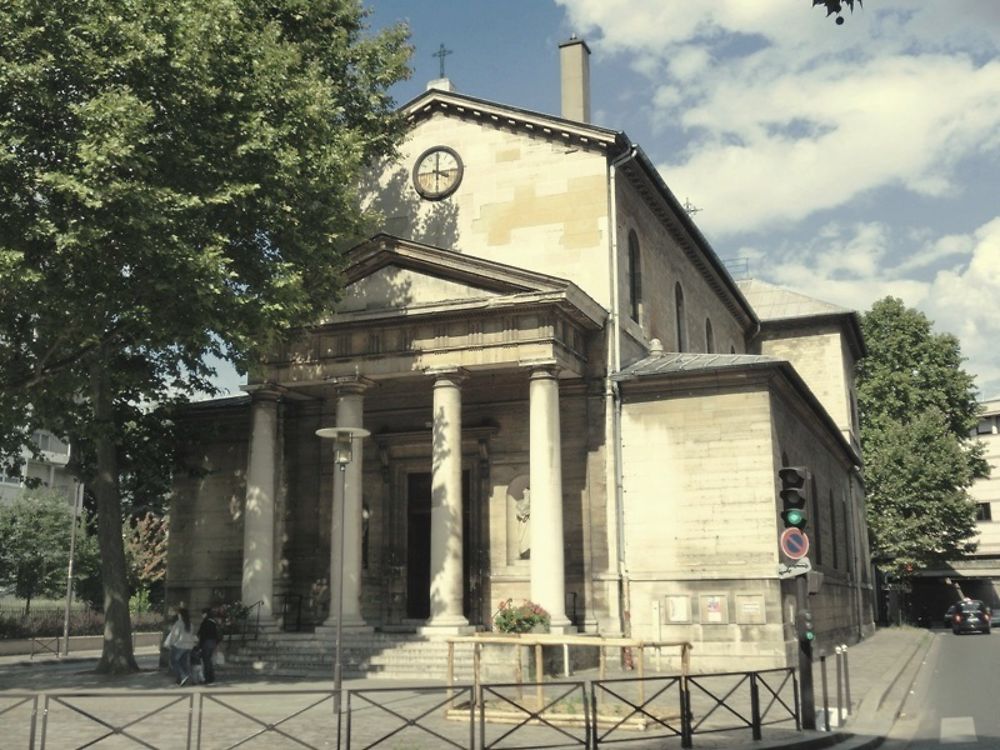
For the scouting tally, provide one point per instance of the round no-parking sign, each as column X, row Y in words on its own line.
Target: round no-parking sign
column 794, row 543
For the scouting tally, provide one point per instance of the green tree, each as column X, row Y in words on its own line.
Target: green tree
column 918, row 406
column 34, row 556
column 176, row 183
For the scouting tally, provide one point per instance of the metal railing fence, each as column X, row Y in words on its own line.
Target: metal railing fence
column 407, row 711
column 730, row 701
column 17, row 728
column 229, row 719
column 160, row 730
column 654, row 703
column 585, row 714
column 538, row 716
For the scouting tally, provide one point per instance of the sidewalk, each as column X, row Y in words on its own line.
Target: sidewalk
column 881, row 670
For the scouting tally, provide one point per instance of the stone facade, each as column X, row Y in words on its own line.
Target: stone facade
column 568, row 400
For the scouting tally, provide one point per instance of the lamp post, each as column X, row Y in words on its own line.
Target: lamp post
column 343, row 454
column 77, row 507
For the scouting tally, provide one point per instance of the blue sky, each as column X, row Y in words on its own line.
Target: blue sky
column 848, row 162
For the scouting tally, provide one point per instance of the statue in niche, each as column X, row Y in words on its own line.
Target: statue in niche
column 519, row 519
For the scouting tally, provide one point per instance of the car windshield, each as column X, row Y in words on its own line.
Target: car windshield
column 972, row 607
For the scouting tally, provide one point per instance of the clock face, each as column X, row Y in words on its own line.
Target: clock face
column 437, row 173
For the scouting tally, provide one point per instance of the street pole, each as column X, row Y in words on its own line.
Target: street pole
column 808, row 702
column 337, row 667
column 77, row 504
column 343, row 454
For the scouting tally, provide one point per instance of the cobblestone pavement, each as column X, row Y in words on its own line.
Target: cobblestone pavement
column 75, row 707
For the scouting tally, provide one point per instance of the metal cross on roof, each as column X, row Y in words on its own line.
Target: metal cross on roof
column 690, row 207
column 441, row 54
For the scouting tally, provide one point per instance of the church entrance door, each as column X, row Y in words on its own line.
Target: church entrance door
column 418, row 546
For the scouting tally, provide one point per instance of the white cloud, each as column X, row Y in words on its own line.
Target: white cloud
column 853, row 266
column 966, row 301
column 788, row 115
column 783, row 115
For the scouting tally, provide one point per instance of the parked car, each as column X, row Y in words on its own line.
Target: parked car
column 971, row 616
column 950, row 615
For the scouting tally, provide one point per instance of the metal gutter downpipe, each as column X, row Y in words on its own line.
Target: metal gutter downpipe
column 612, row 408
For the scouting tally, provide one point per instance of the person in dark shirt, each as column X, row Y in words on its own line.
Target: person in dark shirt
column 208, row 639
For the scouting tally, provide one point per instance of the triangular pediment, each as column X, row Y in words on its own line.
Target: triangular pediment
column 396, row 287
column 402, row 276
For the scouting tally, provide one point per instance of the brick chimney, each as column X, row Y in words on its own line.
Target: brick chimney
column 574, row 65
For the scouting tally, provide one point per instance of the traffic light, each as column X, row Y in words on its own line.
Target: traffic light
column 804, row 625
column 794, row 494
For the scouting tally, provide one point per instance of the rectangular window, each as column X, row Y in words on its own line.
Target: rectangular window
column 985, row 426
column 10, row 480
column 984, row 512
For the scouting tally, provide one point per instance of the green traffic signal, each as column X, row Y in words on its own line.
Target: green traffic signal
column 804, row 625
column 794, row 518
column 794, row 495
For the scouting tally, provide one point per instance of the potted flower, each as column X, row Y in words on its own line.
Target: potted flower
column 524, row 617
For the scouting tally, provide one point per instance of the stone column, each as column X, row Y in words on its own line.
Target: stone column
column 548, row 583
column 262, row 488
column 350, row 413
column 446, row 505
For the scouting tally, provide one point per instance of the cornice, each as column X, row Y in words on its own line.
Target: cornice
column 775, row 376
column 498, row 115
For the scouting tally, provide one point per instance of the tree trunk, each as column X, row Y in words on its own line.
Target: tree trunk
column 117, row 656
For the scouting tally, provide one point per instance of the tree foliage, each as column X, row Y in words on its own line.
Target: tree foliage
column 146, row 550
column 176, row 183
column 34, row 557
column 917, row 407
column 836, row 7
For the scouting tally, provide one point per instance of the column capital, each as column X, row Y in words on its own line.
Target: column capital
column 264, row 391
column 541, row 369
column 456, row 375
column 346, row 385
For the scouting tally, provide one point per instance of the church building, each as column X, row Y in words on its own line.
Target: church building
column 568, row 399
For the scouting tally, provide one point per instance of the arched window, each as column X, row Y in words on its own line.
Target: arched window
column 709, row 337
column 833, row 532
column 732, row 349
column 634, row 276
column 817, row 535
column 679, row 306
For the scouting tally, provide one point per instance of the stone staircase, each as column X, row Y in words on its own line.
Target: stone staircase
column 391, row 656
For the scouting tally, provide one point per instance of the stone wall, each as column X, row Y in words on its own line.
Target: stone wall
column 664, row 264
column 702, row 524
column 525, row 200
column 820, row 354
column 205, row 556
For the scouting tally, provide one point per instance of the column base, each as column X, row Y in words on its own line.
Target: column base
column 445, row 626
column 562, row 627
column 351, row 625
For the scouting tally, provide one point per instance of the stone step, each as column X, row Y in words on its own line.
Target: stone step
column 388, row 655
column 415, row 669
column 328, row 659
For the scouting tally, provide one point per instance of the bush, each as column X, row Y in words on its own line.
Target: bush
column 139, row 602
column 521, row 618
column 49, row 623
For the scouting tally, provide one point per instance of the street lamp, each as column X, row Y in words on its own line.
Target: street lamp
column 343, row 453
